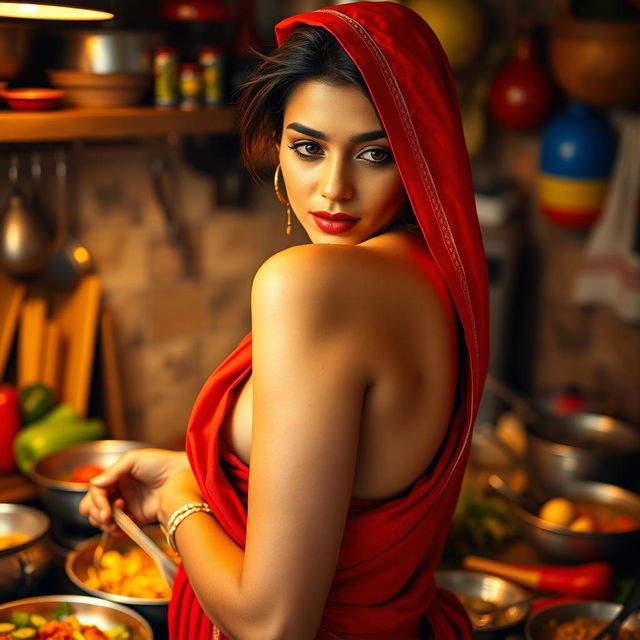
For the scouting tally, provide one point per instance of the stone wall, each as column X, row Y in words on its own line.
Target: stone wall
column 172, row 328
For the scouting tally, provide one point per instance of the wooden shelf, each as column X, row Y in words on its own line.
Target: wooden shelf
column 113, row 123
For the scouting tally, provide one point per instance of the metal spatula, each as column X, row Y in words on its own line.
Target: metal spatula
column 168, row 569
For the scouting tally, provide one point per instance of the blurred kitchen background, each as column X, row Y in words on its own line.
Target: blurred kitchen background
column 159, row 210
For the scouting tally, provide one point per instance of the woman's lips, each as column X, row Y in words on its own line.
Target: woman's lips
column 334, row 223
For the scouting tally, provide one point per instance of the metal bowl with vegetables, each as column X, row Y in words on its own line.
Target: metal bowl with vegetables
column 63, row 477
column 123, row 573
column 585, row 522
column 72, row 617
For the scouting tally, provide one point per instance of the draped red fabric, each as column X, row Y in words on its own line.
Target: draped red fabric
column 384, row 582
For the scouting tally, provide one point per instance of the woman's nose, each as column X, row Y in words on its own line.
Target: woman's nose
column 337, row 183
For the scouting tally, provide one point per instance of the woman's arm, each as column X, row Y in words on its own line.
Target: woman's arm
column 309, row 386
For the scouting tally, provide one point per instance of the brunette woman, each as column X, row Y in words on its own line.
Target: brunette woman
column 325, row 455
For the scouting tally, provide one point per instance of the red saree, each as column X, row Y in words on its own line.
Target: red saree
column 384, row 583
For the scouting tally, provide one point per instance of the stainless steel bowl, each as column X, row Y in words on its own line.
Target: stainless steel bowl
column 22, row 566
column 81, row 558
column 537, row 625
column 15, row 39
column 108, row 51
column 584, row 446
column 561, row 545
column 491, row 588
column 51, row 474
column 91, row 611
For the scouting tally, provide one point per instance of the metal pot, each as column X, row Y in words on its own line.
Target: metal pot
column 108, row 51
column 60, row 496
column 584, row 446
column 22, row 566
column 15, row 39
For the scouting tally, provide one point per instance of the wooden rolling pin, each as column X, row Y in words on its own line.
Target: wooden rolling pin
column 590, row 580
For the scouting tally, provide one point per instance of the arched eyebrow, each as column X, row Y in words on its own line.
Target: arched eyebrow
column 314, row 133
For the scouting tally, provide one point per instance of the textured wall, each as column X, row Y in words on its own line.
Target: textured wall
column 172, row 329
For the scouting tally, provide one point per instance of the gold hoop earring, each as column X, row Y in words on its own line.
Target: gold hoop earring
column 281, row 198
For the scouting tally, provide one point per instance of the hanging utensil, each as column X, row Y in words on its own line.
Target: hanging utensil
column 70, row 259
column 162, row 172
column 25, row 243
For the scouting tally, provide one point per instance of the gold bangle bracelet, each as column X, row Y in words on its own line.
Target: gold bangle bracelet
column 178, row 516
column 182, row 509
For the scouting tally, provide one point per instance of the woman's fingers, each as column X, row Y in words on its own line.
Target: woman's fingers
column 110, row 476
column 96, row 506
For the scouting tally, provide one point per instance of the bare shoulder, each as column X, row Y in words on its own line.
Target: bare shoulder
column 313, row 281
column 335, row 278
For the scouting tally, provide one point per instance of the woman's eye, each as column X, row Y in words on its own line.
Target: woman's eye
column 306, row 150
column 376, row 156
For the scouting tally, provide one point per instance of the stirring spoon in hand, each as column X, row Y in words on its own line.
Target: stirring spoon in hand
column 167, row 568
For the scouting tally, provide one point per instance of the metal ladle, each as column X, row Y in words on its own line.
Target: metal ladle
column 25, row 243
column 523, row 501
column 70, row 260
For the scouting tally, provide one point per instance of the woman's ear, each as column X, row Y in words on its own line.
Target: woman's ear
column 276, row 141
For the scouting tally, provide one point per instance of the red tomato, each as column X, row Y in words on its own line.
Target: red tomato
column 622, row 523
column 85, row 472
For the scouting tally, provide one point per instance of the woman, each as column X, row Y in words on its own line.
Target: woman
column 355, row 395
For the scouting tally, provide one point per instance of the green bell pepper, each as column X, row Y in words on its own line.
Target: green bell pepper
column 58, row 429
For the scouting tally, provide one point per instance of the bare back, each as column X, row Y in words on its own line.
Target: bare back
column 405, row 334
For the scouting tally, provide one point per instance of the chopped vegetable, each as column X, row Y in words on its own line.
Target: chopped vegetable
column 61, row 611
column 62, row 625
column 37, row 621
column 25, row 633
column 86, row 472
column 20, row 618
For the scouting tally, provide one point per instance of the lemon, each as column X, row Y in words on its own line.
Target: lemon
column 558, row 511
column 582, row 524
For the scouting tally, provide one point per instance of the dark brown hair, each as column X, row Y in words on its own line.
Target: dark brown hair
column 311, row 53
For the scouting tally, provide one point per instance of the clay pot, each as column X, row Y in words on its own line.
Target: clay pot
column 596, row 61
column 522, row 92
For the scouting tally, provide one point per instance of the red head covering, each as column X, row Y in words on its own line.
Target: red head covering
column 410, row 81
column 390, row 550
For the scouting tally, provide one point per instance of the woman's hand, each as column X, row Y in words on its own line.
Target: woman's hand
column 132, row 483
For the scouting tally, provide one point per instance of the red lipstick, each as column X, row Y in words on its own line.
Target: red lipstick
column 334, row 223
